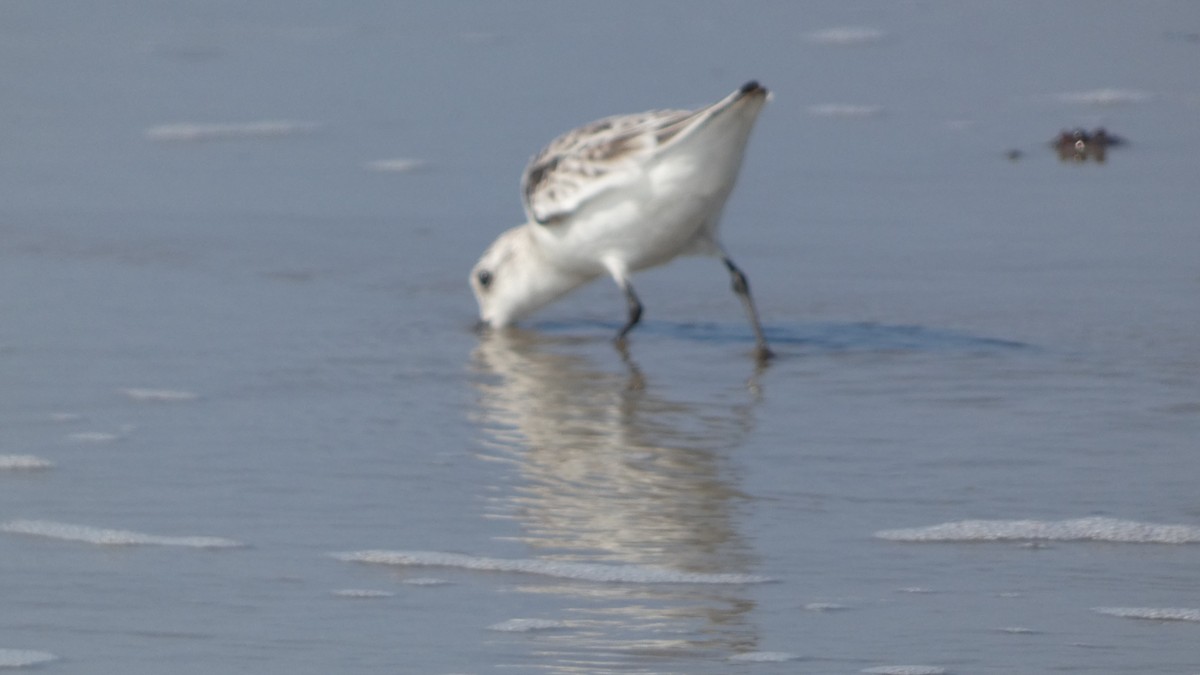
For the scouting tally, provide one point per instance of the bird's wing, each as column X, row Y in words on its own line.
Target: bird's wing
column 593, row 159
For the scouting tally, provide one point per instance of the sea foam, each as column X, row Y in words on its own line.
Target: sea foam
column 104, row 537
column 764, row 657
column 187, row 132
column 159, row 395
column 362, row 593
column 93, row 437
column 527, row 625
column 1104, row 97
column 24, row 463
column 844, row 36
column 23, row 658
column 563, row 570
column 1152, row 613
column 1078, row 529
column 397, row 165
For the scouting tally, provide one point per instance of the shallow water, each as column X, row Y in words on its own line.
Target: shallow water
column 245, row 425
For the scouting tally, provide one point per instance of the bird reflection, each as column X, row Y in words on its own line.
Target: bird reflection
column 607, row 469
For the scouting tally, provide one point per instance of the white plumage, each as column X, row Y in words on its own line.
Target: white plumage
column 616, row 196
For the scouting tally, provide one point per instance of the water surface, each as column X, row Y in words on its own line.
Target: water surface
column 245, row 425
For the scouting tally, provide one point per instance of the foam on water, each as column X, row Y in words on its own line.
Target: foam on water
column 398, row 165
column 905, row 670
column 1104, row 97
column 1152, row 613
column 93, row 437
column 1078, row 529
column 563, row 570
column 186, row 132
column 103, row 537
column 527, row 625
column 362, row 593
column 764, row 657
column 24, row 463
column 845, row 36
column 159, row 395
column 23, row 658
column 824, row 607
column 845, row 110
column 425, row 581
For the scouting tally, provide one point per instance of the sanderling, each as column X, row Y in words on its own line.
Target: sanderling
column 620, row 195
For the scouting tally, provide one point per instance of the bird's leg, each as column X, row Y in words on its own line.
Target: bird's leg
column 620, row 274
column 635, row 308
column 742, row 287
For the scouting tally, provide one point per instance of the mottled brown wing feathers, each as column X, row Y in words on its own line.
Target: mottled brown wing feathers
column 582, row 164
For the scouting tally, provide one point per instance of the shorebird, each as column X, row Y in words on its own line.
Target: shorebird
column 620, row 195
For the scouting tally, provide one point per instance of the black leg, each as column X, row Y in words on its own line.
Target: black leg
column 742, row 287
column 635, row 310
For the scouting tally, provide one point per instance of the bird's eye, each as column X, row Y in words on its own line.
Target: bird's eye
column 484, row 277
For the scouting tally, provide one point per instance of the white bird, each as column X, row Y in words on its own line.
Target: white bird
column 619, row 195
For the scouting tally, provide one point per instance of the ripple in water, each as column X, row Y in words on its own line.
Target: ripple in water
column 159, row 395
column 362, row 594
column 1104, row 97
column 1152, row 613
column 186, row 132
column 527, row 625
column 846, row 36
column 563, row 570
column 824, row 607
column 103, row 537
column 764, row 657
column 23, row 658
column 1079, row 529
column 397, row 165
column 425, row 581
column 93, row 437
column 24, row 463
